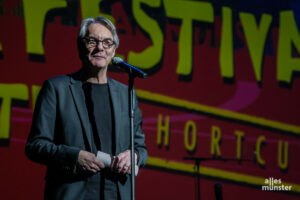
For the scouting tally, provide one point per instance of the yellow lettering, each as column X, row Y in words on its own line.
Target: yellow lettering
column 34, row 13
column 259, row 142
column 288, row 37
column 239, row 138
column 35, row 92
column 256, row 38
column 226, row 54
column 187, row 11
column 215, row 141
column 163, row 130
column 283, row 158
column 190, row 129
column 151, row 56
column 7, row 93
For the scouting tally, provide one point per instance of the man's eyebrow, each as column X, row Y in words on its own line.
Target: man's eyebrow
column 93, row 37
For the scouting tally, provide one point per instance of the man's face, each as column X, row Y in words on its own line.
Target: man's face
column 99, row 54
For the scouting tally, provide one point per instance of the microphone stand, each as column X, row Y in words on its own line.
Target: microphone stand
column 198, row 160
column 131, row 116
column 132, row 73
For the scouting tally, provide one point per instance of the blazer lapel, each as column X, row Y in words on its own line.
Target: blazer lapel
column 116, row 104
column 79, row 100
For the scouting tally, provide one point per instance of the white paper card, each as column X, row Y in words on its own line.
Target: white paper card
column 107, row 159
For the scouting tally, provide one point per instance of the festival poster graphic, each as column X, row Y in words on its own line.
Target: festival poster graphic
column 220, row 106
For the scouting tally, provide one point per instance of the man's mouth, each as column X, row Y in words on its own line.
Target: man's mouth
column 98, row 56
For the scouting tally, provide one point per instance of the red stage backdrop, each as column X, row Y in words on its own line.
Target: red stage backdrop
column 224, row 88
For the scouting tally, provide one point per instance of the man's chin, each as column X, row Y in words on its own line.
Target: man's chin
column 99, row 65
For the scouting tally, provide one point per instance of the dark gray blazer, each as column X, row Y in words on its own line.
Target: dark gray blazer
column 61, row 128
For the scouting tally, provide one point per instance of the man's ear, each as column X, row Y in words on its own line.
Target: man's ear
column 82, row 50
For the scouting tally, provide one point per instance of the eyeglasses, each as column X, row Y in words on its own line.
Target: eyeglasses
column 93, row 42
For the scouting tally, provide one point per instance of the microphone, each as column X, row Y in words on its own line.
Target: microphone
column 128, row 68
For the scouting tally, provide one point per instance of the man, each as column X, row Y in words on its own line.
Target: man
column 77, row 115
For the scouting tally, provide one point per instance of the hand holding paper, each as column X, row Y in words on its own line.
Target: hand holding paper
column 108, row 159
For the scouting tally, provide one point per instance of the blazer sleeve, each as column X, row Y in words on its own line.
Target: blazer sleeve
column 139, row 140
column 41, row 146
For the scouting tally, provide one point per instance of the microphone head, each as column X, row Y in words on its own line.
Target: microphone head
column 116, row 60
column 218, row 191
column 218, row 186
column 128, row 68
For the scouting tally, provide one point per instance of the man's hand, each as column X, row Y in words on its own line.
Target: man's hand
column 88, row 162
column 122, row 162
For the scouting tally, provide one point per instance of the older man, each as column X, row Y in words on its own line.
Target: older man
column 77, row 115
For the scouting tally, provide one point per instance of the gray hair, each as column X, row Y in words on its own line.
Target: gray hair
column 83, row 31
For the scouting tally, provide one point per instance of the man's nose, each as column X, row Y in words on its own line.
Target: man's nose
column 100, row 45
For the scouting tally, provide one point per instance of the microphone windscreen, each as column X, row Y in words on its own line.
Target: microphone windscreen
column 116, row 60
